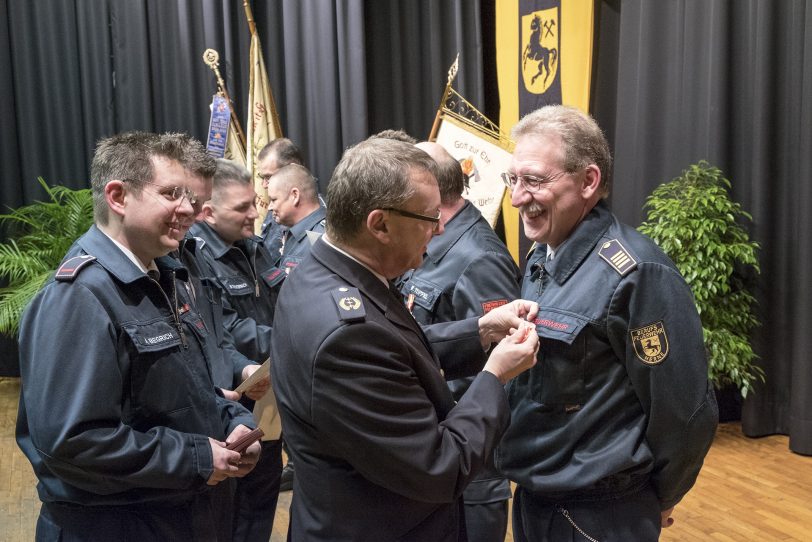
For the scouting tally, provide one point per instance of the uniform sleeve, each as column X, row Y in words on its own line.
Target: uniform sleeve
column 489, row 281
column 655, row 328
column 369, row 402
column 75, row 381
column 251, row 339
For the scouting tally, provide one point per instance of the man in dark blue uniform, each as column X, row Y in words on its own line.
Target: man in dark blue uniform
column 382, row 450
column 610, row 428
column 294, row 202
column 118, row 413
column 467, row 271
column 248, row 284
column 271, row 158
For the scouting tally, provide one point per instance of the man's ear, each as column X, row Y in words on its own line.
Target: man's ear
column 378, row 226
column 207, row 212
column 294, row 192
column 591, row 184
column 115, row 194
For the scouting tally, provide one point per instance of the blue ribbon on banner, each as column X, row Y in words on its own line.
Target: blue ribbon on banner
column 218, row 127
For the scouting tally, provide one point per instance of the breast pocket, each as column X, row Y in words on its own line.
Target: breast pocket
column 237, row 286
column 558, row 379
column 157, row 374
column 426, row 298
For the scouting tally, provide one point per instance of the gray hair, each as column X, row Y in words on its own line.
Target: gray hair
column 371, row 175
column 583, row 140
column 129, row 157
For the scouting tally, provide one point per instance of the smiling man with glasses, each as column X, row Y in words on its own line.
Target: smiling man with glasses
column 610, row 428
column 118, row 412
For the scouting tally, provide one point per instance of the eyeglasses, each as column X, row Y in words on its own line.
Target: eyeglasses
column 531, row 183
column 409, row 214
column 171, row 193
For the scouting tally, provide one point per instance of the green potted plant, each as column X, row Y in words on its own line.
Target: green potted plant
column 39, row 235
column 694, row 220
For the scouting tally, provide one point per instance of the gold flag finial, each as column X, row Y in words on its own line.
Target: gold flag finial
column 452, row 71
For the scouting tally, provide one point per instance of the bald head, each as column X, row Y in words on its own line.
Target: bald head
column 450, row 177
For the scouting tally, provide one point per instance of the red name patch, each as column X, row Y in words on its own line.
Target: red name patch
column 552, row 324
column 488, row 306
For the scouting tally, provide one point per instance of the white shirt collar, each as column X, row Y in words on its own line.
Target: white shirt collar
column 131, row 256
column 353, row 258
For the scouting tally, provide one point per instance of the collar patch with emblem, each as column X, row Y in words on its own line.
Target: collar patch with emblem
column 650, row 343
column 618, row 257
column 350, row 306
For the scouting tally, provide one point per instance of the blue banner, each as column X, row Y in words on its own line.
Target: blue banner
column 218, row 126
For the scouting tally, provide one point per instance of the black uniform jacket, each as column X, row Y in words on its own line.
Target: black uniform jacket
column 117, row 402
column 382, row 452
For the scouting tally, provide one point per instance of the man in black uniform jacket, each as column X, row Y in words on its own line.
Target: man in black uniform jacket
column 382, row 451
column 118, row 413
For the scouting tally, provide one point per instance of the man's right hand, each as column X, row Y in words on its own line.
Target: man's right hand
column 514, row 354
column 224, row 461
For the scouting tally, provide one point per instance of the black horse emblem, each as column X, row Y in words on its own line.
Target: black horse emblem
column 536, row 52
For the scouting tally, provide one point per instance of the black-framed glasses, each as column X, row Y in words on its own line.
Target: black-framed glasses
column 531, row 183
column 175, row 194
column 409, row 214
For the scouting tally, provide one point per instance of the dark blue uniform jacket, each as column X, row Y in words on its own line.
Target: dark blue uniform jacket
column 117, row 401
column 249, row 284
column 620, row 393
column 467, row 272
column 298, row 245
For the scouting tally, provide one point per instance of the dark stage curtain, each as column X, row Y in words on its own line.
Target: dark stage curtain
column 74, row 71
column 729, row 82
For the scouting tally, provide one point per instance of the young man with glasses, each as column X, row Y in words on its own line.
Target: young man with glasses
column 609, row 430
column 118, row 413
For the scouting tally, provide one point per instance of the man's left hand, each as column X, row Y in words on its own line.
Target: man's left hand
column 250, row 457
column 496, row 325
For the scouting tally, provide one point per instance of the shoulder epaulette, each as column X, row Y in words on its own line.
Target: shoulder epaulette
column 71, row 267
column 617, row 256
column 350, row 306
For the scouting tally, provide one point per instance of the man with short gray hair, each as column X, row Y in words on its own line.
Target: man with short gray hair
column 610, row 429
column 382, row 451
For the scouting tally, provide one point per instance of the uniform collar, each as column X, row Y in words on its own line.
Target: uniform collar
column 574, row 250
column 218, row 247
column 460, row 223
column 300, row 229
column 117, row 263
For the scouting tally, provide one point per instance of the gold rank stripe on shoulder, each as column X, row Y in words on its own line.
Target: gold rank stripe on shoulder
column 617, row 256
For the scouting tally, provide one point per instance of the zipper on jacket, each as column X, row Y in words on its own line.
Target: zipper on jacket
column 173, row 308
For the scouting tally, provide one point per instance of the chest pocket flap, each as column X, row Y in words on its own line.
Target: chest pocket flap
column 152, row 336
column 558, row 325
column 237, row 285
column 426, row 293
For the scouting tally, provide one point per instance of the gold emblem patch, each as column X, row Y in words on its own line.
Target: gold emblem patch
column 650, row 343
column 349, row 303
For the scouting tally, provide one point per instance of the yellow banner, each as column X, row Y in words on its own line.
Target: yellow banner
column 543, row 56
column 263, row 122
column 235, row 149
